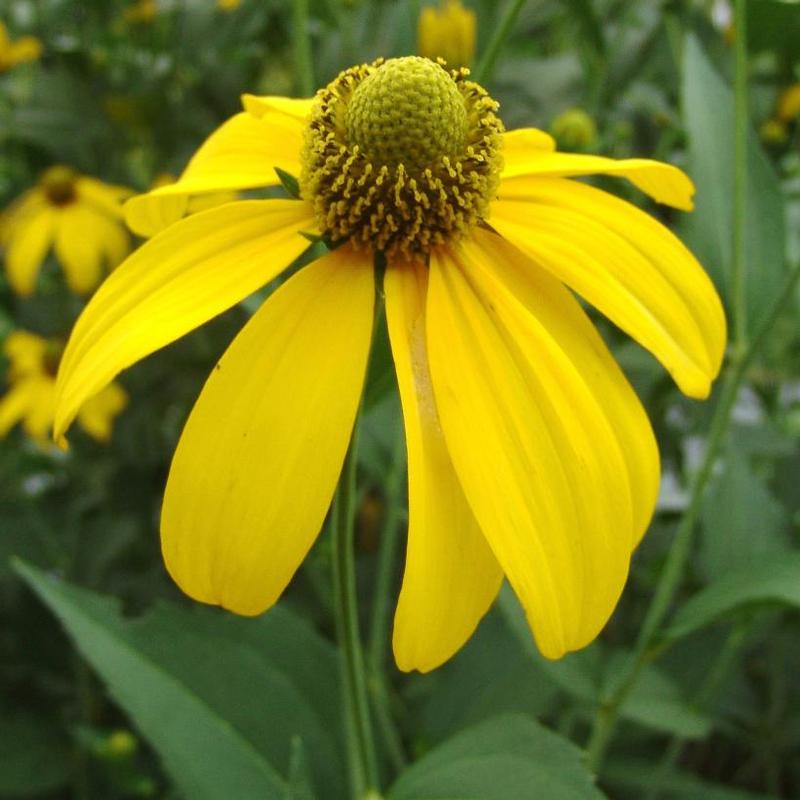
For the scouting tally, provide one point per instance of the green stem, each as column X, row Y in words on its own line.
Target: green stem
column 708, row 689
column 672, row 574
column 361, row 741
column 301, row 49
column 484, row 69
column 379, row 627
column 738, row 264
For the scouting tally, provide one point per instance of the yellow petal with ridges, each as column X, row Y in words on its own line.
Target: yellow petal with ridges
column 536, row 456
column 241, row 154
column 451, row 577
column 258, row 461
column 178, row 280
column 297, row 108
column 28, row 241
column 546, row 299
column 665, row 183
column 624, row 262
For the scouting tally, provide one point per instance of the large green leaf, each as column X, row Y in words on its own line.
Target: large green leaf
column 510, row 757
column 221, row 698
column 708, row 111
column 776, row 581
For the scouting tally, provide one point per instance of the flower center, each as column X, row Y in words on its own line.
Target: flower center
column 59, row 185
column 401, row 155
column 408, row 112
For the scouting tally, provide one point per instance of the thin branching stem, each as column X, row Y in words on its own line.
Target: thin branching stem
column 301, row 49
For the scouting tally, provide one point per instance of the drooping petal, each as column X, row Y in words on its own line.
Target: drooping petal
column 241, row 154
column 538, row 460
column 624, row 262
column 298, row 108
column 27, row 246
column 451, row 576
column 97, row 414
column 38, row 419
column 665, row 183
column 559, row 313
column 78, row 248
column 180, row 279
column 261, row 453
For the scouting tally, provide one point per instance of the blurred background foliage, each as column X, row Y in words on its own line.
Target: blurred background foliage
column 147, row 695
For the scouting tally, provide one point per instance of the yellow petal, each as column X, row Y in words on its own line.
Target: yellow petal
column 546, row 299
column 15, row 403
column 663, row 182
column 104, row 196
column 626, row 264
column 297, row 108
column 520, row 145
column 451, row 576
column 261, row 453
column 25, row 351
column 78, row 248
column 180, row 279
column 539, row 463
column 26, row 48
column 27, row 244
column 241, row 154
column 38, row 419
column 97, row 414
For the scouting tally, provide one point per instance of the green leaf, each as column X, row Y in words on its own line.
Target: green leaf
column 220, row 697
column 743, row 523
column 708, row 110
column 509, row 757
column 34, row 758
column 638, row 775
column 774, row 581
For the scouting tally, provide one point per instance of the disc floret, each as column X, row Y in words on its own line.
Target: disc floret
column 401, row 155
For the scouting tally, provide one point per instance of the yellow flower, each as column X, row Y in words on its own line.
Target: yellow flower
column 789, row 103
column 141, row 221
column 228, row 5
column 447, row 32
column 79, row 216
column 26, row 48
column 30, row 398
column 529, row 454
column 141, row 11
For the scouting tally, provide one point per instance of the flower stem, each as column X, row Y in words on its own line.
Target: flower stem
column 486, row 65
column 379, row 625
column 301, row 47
column 738, row 263
column 672, row 574
column 359, row 723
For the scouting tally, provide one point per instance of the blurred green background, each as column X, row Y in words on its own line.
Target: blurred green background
column 113, row 685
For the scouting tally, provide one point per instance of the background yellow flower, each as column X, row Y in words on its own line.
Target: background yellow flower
column 30, row 395
column 26, row 48
column 80, row 217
